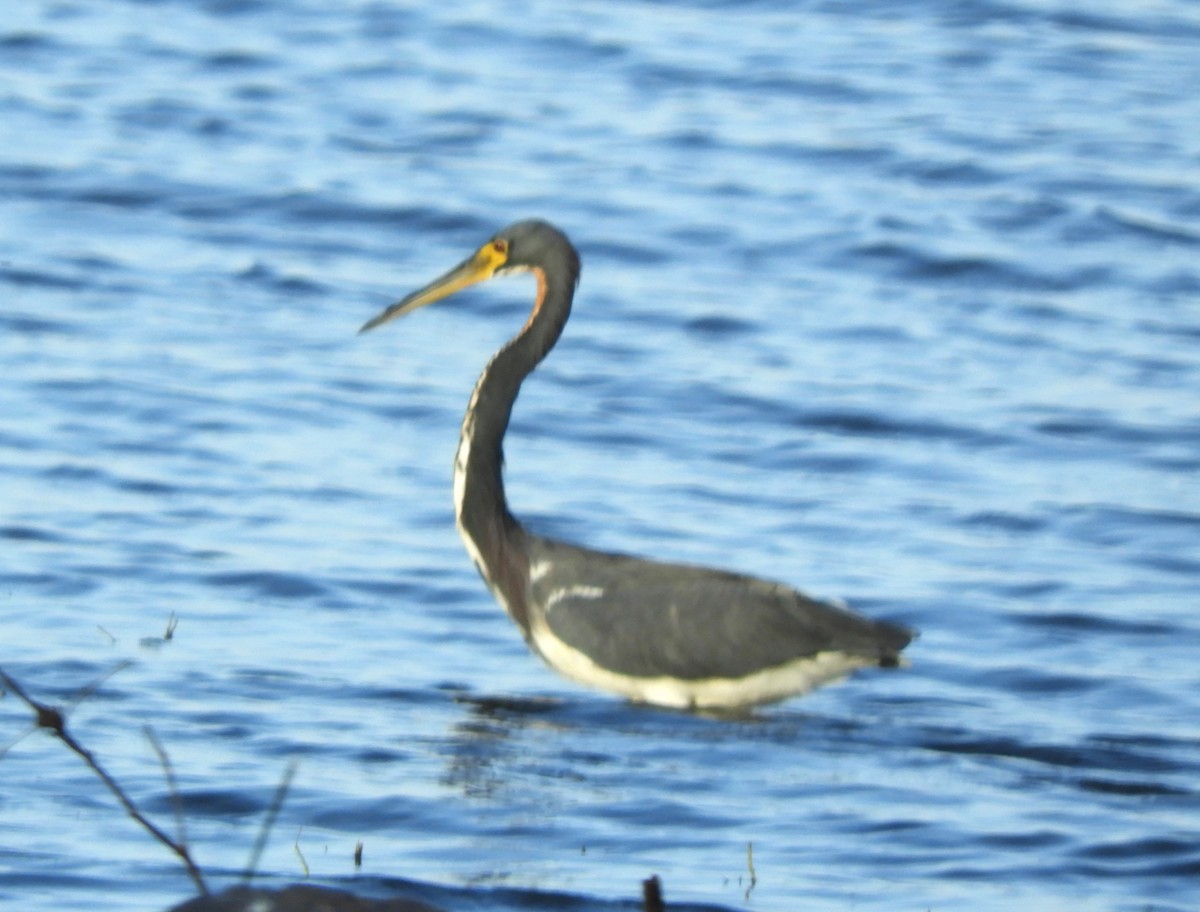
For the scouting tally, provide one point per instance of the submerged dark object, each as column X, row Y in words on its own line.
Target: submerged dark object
column 298, row 898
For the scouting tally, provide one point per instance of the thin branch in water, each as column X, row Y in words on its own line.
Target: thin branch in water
column 268, row 822
column 89, row 690
column 172, row 785
column 299, row 854
column 17, row 740
column 78, row 697
column 750, row 866
column 51, row 718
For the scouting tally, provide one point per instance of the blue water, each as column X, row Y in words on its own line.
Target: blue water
column 897, row 303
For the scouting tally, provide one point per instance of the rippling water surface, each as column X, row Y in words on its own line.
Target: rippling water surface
column 897, row 304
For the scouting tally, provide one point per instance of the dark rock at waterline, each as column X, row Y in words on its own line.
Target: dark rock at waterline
column 297, row 899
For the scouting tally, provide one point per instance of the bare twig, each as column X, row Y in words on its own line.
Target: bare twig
column 51, row 718
column 268, row 822
column 17, row 740
column 750, row 867
column 78, row 697
column 172, row 785
column 754, row 876
column 300, row 854
column 89, row 689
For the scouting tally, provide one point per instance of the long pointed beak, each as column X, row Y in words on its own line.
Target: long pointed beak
column 477, row 268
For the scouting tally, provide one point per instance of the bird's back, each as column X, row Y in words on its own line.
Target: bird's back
column 620, row 622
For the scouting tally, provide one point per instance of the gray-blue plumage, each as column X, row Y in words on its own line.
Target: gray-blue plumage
column 648, row 619
column 669, row 634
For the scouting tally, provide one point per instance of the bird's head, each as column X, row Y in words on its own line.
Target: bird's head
column 527, row 246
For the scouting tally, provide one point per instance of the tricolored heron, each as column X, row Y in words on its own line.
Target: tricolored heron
column 669, row 634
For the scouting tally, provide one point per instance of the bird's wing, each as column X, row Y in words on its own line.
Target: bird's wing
column 649, row 619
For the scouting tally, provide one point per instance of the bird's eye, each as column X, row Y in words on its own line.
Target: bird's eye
column 500, row 245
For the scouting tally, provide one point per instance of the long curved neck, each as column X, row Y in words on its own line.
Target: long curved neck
column 490, row 532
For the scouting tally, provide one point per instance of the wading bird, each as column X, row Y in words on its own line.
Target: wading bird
column 669, row 634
